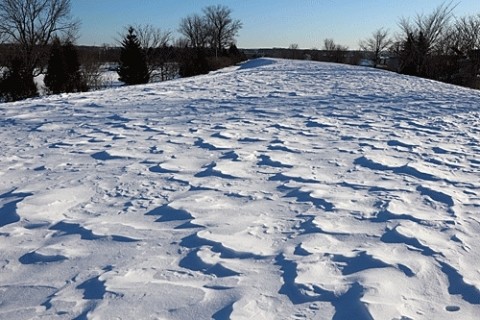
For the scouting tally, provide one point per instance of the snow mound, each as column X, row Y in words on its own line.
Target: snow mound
column 256, row 63
column 283, row 190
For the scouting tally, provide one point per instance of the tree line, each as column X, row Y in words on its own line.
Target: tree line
column 438, row 46
column 38, row 37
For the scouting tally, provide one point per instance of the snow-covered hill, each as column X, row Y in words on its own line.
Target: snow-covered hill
column 276, row 190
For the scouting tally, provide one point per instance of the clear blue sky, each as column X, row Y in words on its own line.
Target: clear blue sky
column 266, row 23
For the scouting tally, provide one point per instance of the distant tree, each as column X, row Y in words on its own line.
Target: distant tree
column 465, row 42
column 329, row 45
column 377, row 44
column 466, row 34
column 92, row 71
column 63, row 70
column 55, row 77
column 235, row 54
column 155, row 44
column 424, row 38
column 293, row 51
column 233, row 50
column 17, row 82
column 32, row 25
column 222, row 27
column 193, row 60
column 335, row 52
column 194, row 29
column 3, row 37
column 407, row 54
column 75, row 81
column 206, row 40
column 133, row 68
column 423, row 48
column 433, row 26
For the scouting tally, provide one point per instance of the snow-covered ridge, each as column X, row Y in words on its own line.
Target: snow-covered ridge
column 274, row 190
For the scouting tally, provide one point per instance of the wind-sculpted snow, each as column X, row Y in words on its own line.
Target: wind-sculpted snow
column 277, row 190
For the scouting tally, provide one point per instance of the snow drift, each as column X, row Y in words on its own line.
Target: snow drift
column 277, row 190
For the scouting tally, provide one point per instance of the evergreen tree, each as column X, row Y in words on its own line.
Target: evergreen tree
column 133, row 68
column 17, row 82
column 235, row 54
column 415, row 54
column 55, row 78
column 422, row 50
column 408, row 55
column 63, row 71
column 75, row 81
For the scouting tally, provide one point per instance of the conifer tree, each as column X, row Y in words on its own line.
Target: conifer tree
column 75, row 81
column 63, row 71
column 422, row 50
column 17, row 82
column 408, row 56
column 133, row 68
column 55, row 77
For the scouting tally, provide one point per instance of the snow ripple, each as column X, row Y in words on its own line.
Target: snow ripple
column 283, row 189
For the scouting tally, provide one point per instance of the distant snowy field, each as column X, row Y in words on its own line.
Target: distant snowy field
column 276, row 190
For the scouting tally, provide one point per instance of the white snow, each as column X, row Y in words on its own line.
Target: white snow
column 274, row 190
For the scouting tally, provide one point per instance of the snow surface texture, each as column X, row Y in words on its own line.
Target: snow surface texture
column 274, row 190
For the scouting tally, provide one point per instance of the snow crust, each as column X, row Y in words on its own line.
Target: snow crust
column 274, row 190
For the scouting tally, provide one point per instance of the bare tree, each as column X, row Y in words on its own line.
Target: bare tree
column 425, row 41
column 92, row 71
column 155, row 43
column 466, row 33
column 152, row 37
column 377, row 44
column 194, row 29
column 32, row 24
column 335, row 52
column 465, row 42
column 329, row 45
column 222, row 27
column 293, row 51
column 181, row 43
column 432, row 27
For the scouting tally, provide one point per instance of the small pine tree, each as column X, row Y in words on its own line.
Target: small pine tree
column 408, row 55
column 55, row 78
column 133, row 67
column 17, row 82
column 75, row 81
column 63, row 71
column 422, row 52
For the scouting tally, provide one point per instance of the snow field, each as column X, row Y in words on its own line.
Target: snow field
column 276, row 190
